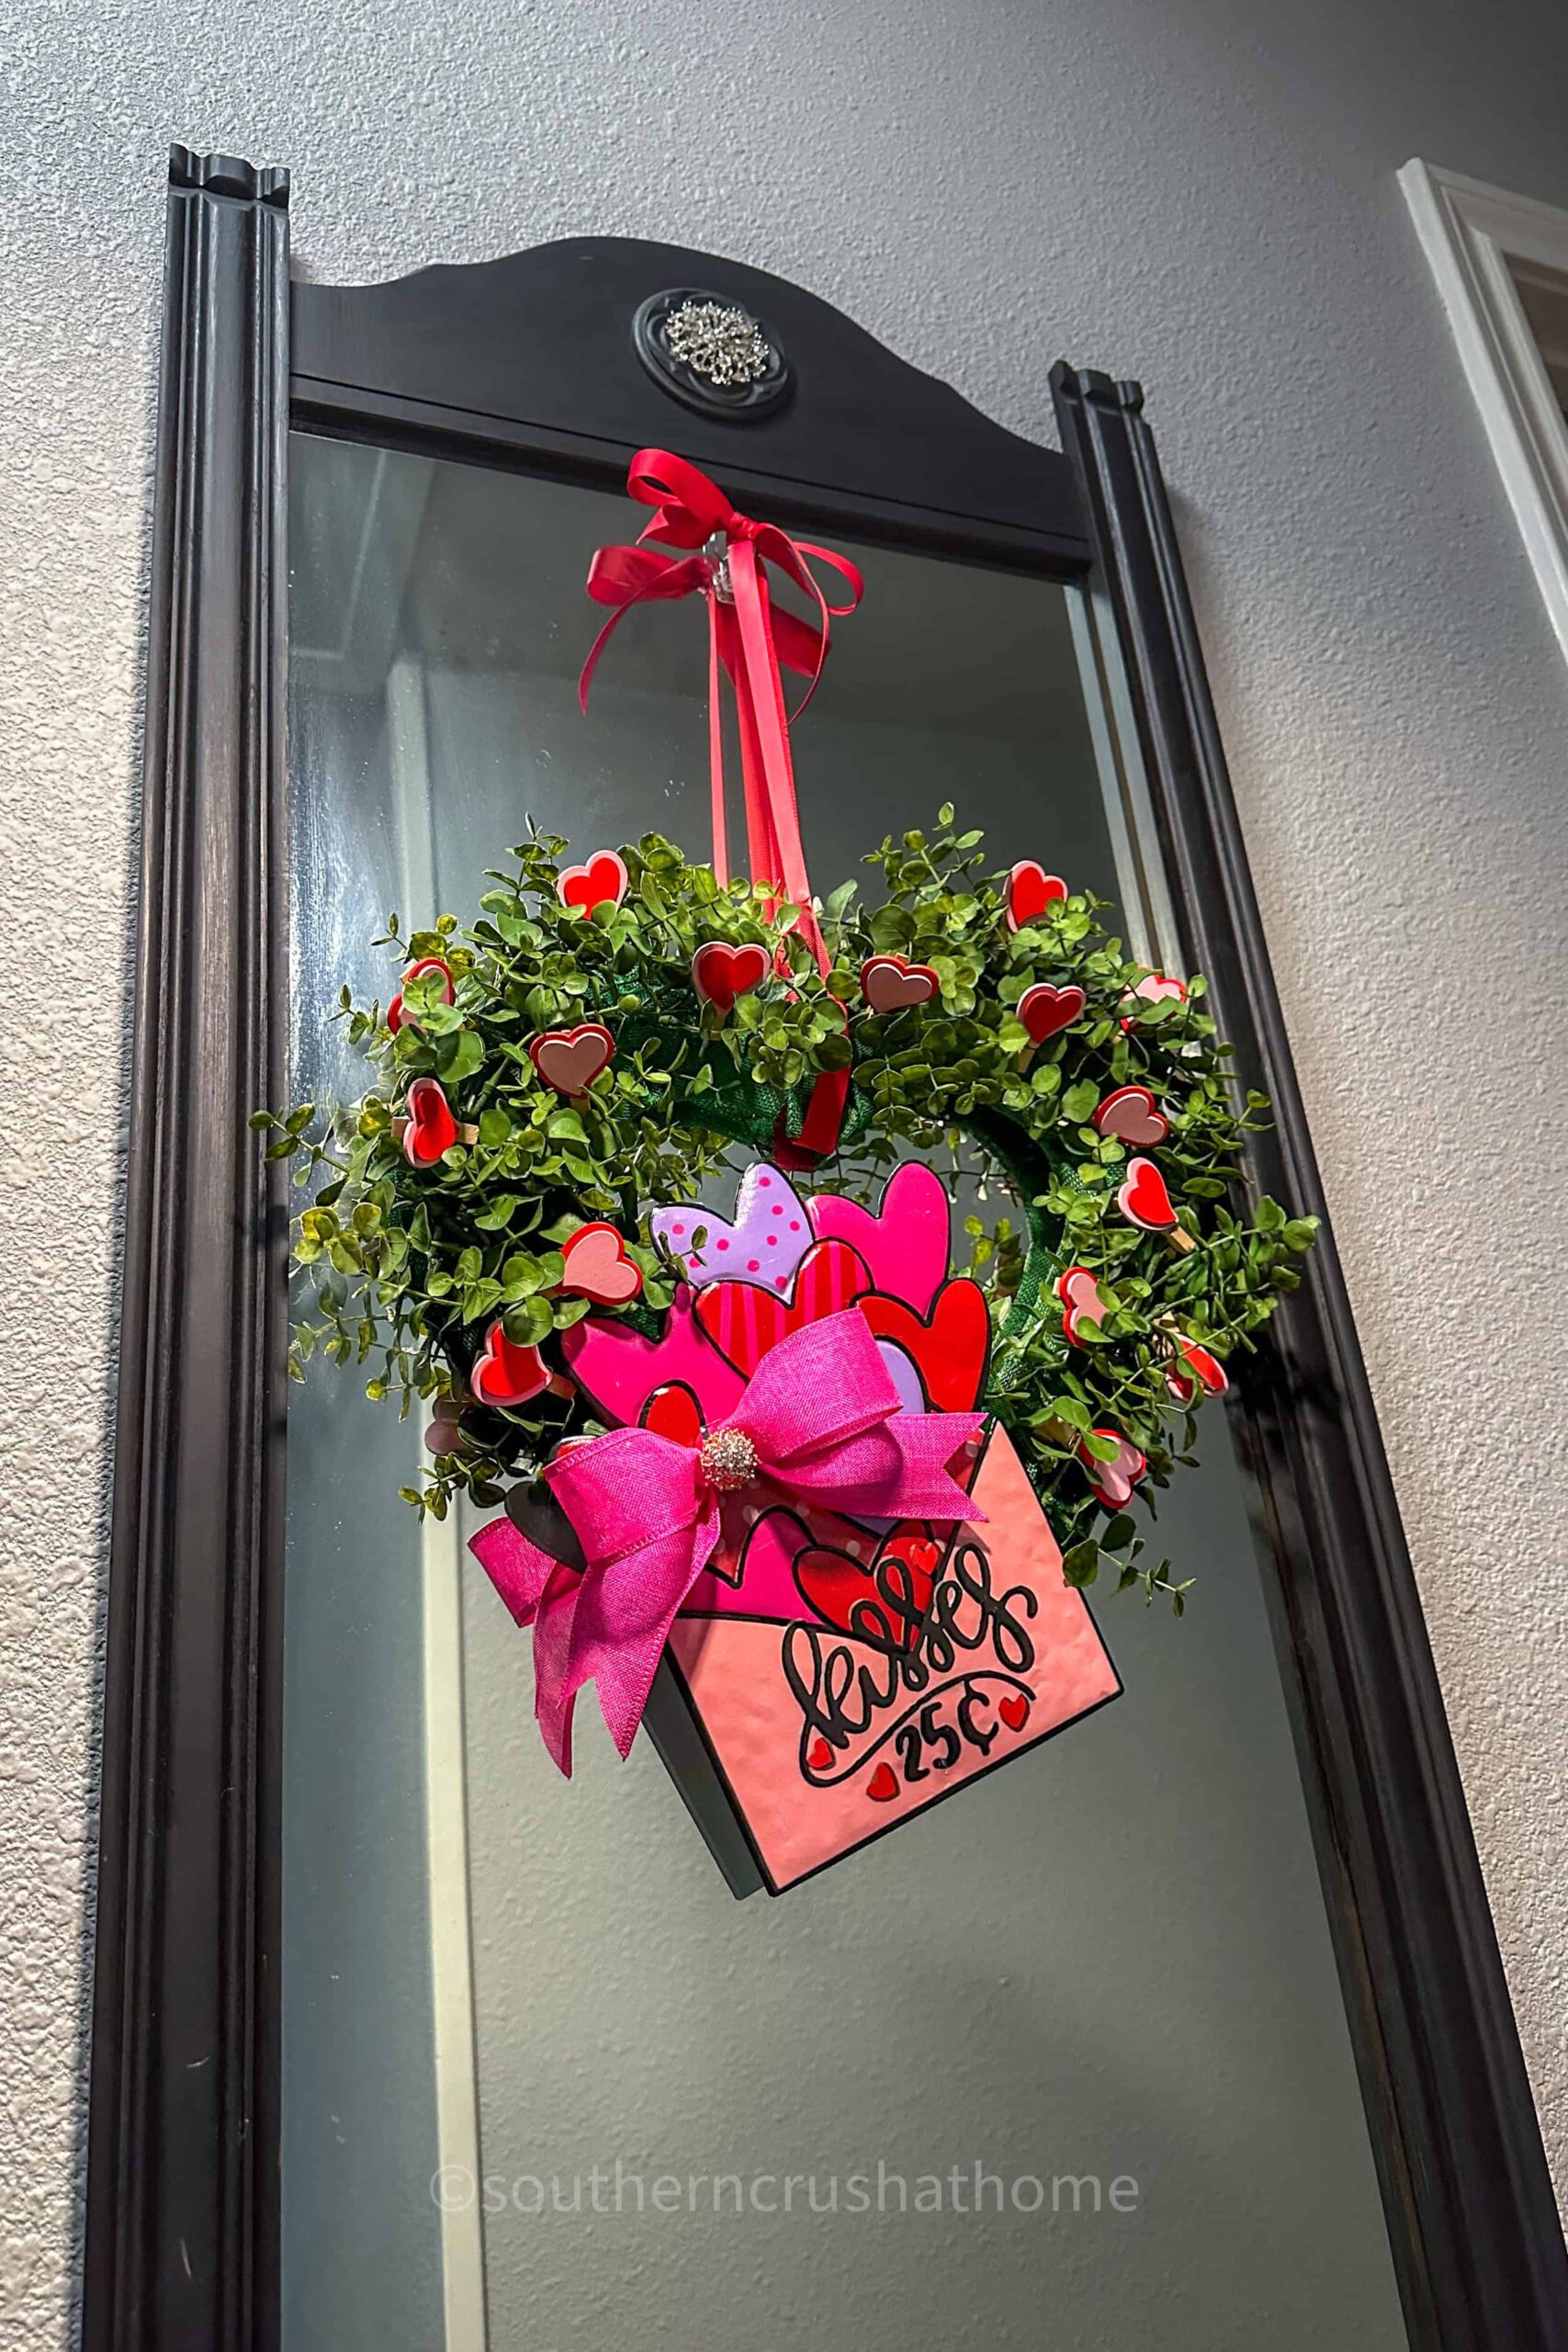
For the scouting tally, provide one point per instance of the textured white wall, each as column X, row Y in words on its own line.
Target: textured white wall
column 1201, row 194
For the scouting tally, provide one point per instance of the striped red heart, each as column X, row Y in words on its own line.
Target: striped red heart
column 744, row 1321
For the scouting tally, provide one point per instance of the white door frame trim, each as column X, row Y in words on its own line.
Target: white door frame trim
column 1467, row 229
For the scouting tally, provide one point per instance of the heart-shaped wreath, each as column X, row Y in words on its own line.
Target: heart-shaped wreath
column 605, row 1034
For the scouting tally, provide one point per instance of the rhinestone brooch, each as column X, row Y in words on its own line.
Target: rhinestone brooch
column 730, row 1459
column 724, row 346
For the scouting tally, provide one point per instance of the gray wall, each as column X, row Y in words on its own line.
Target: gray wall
column 1201, row 194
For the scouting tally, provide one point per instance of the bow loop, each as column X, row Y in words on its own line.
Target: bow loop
column 822, row 1414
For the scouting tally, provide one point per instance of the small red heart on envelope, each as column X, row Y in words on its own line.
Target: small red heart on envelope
column 587, row 886
column 1044, row 1010
column 570, row 1060
column 597, row 1266
column 1014, row 1710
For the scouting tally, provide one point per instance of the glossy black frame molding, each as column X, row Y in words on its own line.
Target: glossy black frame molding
column 182, row 2189
column 527, row 362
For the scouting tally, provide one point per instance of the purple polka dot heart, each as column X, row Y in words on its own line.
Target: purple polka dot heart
column 764, row 1243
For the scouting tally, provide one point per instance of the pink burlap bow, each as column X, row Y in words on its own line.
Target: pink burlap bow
column 820, row 1422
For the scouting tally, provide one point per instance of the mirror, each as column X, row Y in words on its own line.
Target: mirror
column 534, row 2055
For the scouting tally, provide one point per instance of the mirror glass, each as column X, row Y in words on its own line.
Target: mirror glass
column 1064, row 2060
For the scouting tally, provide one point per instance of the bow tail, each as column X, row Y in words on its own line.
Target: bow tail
column 541, row 1592
column 621, row 1616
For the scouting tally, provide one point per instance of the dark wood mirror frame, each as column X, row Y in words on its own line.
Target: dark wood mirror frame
column 528, row 362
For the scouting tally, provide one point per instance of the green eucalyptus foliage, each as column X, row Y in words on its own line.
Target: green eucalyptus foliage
column 411, row 1265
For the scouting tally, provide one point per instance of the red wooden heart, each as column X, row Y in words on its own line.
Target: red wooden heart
column 417, row 972
column 720, row 973
column 673, row 1412
column 587, row 886
column 505, row 1374
column 882, row 1786
column 818, row 1756
column 1203, row 1370
column 948, row 1350
column 597, row 1266
column 1014, row 1710
column 1029, row 892
column 1131, row 1115
column 1080, row 1295
column 430, row 1128
column 889, row 983
column 1044, row 1010
column 744, row 1320
column 1143, row 1199
column 570, row 1060
column 883, row 1600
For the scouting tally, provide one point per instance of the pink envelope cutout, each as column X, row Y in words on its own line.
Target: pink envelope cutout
column 825, row 1742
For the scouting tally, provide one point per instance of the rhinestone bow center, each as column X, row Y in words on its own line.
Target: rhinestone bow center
column 730, row 1459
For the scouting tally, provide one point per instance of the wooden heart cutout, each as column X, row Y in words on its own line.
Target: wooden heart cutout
column 507, row 1374
column 1029, row 892
column 1144, row 1200
column 603, row 878
column 1080, row 1295
column 891, row 983
column 417, row 972
column 1131, row 1115
column 744, row 1321
column 883, row 1785
column 948, row 1349
column 1153, row 989
column 1014, row 1710
column 430, row 1128
column 883, row 1600
column 720, row 973
column 1114, row 1481
column 1044, row 1010
column 570, row 1060
column 597, row 1266
column 1203, row 1370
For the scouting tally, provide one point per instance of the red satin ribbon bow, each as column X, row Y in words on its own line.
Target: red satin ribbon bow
column 820, row 1422
column 749, row 637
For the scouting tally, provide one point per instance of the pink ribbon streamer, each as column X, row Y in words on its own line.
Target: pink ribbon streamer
column 748, row 636
column 824, row 1418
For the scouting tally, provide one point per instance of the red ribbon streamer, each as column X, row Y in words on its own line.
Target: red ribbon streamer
column 748, row 637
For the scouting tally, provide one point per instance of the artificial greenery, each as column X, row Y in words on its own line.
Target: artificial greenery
column 409, row 1266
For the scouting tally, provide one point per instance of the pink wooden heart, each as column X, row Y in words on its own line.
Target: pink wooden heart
column 1143, row 1199
column 1029, row 892
column 890, row 983
column 1131, row 1115
column 430, row 1128
column 1044, row 1010
column 1080, row 1295
column 570, row 1060
column 720, row 973
column 597, row 1266
column 603, row 878
column 1154, row 988
column 1114, row 1481
column 507, row 1374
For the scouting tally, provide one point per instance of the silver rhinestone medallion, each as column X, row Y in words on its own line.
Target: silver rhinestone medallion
column 730, row 1459
column 723, row 344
